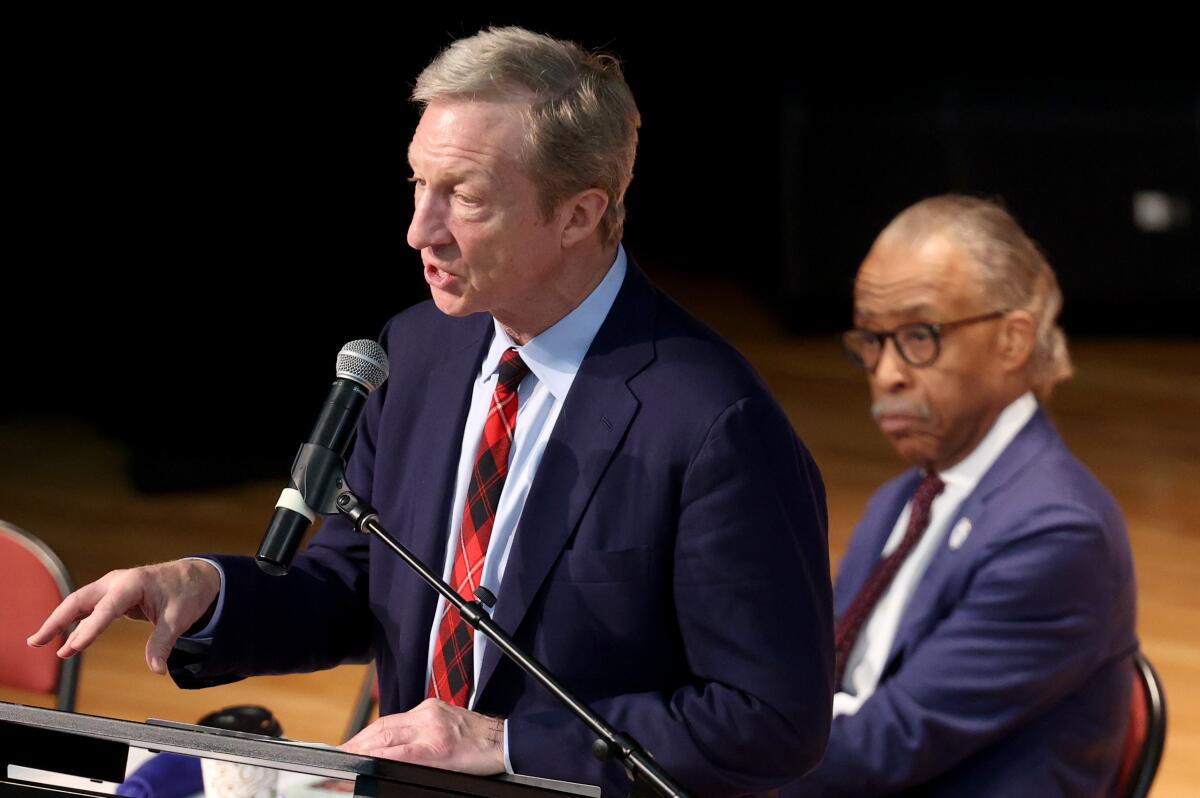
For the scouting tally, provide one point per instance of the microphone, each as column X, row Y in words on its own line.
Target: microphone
column 317, row 471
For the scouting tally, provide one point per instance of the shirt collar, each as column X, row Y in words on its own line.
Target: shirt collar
column 554, row 356
column 1011, row 420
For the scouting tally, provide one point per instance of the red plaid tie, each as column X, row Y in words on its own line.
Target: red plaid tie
column 453, row 662
column 846, row 629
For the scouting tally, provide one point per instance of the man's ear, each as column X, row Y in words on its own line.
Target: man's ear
column 581, row 215
column 1017, row 337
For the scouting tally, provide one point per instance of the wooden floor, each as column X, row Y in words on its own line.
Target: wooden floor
column 1130, row 414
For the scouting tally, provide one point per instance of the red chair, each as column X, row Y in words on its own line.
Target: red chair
column 32, row 583
column 1147, row 732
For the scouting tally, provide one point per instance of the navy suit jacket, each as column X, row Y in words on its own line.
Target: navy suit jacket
column 1010, row 672
column 670, row 566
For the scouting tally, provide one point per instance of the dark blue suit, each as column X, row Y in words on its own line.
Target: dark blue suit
column 1010, row 671
column 670, row 565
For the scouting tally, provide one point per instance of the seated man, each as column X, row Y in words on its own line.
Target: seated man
column 985, row 604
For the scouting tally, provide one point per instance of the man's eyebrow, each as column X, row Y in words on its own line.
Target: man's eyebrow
column 458, row 174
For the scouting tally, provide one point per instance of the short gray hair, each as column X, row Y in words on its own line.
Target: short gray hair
column 582, row 120
column 1013, row 269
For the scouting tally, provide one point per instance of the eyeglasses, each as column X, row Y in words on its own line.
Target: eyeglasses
column 918, row 343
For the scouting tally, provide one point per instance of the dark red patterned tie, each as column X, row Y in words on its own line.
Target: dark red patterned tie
column 847, row 628
column 453, row 663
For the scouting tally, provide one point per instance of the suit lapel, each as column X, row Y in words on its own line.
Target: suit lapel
column 947, row 563
column 428, row 488
column 593, row 421
column 869, row 537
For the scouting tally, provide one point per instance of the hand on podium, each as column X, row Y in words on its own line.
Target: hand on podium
column 436, row 734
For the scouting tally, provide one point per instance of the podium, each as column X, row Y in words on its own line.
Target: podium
column 93, row 747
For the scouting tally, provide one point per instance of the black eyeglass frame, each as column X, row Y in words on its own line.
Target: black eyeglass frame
column 935, row 331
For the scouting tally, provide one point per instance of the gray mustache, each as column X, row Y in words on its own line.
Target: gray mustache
column 891, row 405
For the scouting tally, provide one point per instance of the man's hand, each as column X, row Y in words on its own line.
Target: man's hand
column 170, row 595
column 436, row 734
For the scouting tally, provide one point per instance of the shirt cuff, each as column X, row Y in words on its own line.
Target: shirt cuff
column 846, row 704
column 508, row 768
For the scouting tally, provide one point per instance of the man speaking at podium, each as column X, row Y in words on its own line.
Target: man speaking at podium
column 559, row 432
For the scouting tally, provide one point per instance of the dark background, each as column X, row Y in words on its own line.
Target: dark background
column 202, row 212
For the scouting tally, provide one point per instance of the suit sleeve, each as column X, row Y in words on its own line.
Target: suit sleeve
column 313, row 618
column 1031, row 628
column 752, row 592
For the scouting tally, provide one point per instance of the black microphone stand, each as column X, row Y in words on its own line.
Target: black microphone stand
column 648, row 778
